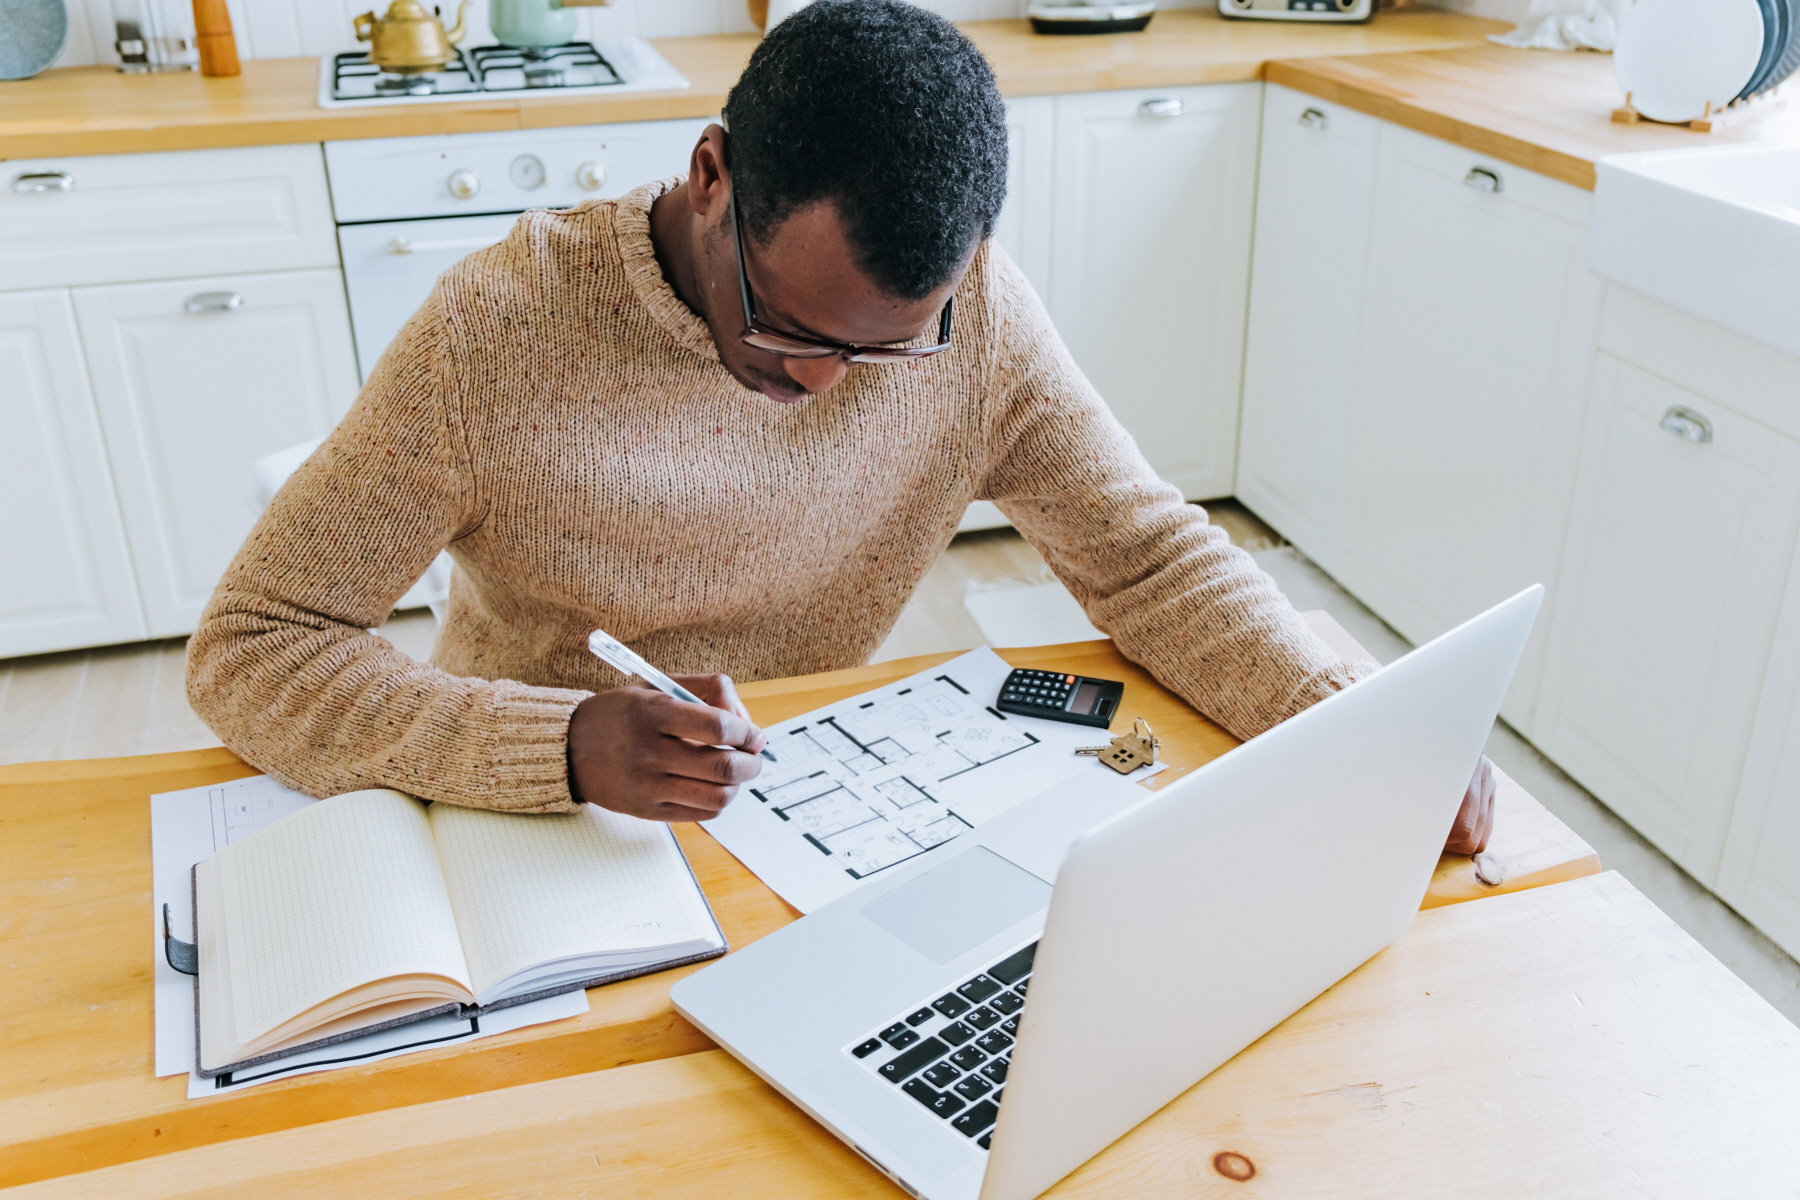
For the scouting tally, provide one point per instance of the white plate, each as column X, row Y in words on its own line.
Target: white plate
column 1676, row 55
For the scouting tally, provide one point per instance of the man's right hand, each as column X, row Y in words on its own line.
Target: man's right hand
column 637, row 751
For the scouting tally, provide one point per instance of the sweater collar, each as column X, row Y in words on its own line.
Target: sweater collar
column 631, row 223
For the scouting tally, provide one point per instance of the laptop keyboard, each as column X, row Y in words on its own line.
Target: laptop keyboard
column 951, row 1054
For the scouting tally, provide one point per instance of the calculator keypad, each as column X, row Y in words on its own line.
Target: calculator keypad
column 1046, row 690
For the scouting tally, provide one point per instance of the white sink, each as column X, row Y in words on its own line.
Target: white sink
column 1714, row 230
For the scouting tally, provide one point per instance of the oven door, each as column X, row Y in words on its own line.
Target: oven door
column 389, row 267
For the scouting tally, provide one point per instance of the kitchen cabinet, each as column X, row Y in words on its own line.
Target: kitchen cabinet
column 195, row 379
column 1024, row 224
column 1478, row 323
column 1315, row 204
column 114, row 218
column 1417, row 360
column 1023, row 227
column 1757, row 873
column 65, row 572
column 1680, row 540
column 1153, row 199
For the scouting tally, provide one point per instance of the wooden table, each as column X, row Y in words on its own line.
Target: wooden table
column 76, row 1089
column 1562, row 1041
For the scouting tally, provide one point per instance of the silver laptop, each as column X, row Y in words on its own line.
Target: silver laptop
column 1149, row 943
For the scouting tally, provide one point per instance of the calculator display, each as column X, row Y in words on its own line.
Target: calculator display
column 1085, row 696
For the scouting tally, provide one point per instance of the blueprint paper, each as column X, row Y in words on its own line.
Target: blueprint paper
column 193, row 824
column 867, row 783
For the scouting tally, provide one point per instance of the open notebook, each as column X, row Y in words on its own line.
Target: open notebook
column 373, row 909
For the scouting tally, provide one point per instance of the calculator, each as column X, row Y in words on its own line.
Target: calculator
column 1060, row 697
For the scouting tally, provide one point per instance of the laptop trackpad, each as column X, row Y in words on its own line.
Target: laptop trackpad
column 951, row 909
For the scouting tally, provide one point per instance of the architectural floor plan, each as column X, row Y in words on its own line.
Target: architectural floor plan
column 870, row 782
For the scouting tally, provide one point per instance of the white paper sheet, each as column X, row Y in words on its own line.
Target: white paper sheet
column 190, row 825
column 872, row 781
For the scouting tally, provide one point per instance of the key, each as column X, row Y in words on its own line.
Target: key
column 940, row 1075
column 867, row 1048
column 898, row 1036
column 1014, row 966
column 1006, row 1003
column 920, row 1017
column 1010, row 1027
column 976, row 1119
column 996, row 1070
column 951, row 1005
column 982, row 1018
column 994, row 1042
column 973, row 1087
column 956, row 1033
column 984, row 1140
column 927, row 1051
column 941, row 1103
column 978, row 989
column 968, row 1058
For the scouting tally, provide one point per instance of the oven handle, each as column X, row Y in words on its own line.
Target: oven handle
column 402, row 245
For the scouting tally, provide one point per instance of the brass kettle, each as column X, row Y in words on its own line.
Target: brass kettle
column 409, row 40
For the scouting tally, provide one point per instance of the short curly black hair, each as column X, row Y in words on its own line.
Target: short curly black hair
column 885, row 109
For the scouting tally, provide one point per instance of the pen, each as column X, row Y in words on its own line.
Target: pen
column 610, row 650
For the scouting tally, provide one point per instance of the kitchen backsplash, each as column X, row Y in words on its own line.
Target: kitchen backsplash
column 284, row 28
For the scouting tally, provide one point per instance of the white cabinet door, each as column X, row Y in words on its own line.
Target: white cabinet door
column 1314, row 207
column 190, row 399
column 1024, row 224
column 1479, row 321
column 65, row 574
column 1149, row 266
column 1759, row 873
column 1676, row 557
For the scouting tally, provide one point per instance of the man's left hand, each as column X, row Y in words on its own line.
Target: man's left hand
column 1475, row 821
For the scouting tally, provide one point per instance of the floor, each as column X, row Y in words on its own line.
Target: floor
column 990, row 588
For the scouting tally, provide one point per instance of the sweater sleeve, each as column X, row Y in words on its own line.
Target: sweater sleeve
column 1166, row 585
column 283, row 667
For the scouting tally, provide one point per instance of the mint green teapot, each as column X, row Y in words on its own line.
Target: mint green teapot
column 531, row 24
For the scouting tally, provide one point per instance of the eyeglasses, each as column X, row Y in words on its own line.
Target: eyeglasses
column 793, row 345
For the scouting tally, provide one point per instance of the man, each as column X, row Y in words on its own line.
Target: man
column 732, row 420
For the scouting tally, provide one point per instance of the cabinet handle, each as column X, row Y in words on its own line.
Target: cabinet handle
column 1167, row 106
column 213, row 302
column 1314, row 118
column 402, row 245
column 1687, row 424
column 1482, row 180
column 43, row 181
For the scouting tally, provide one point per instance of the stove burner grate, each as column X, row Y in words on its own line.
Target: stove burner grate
column 484, row 69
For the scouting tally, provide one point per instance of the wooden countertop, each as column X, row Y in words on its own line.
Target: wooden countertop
column 1567, row 1041
column 96, row 110
column 1547, row 112
column 76, row 1088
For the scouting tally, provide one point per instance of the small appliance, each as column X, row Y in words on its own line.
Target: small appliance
column 1298, row 10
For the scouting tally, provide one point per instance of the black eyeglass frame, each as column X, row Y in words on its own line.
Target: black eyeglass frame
column 794, row 345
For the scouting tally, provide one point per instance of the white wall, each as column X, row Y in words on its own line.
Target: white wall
column 283, row 28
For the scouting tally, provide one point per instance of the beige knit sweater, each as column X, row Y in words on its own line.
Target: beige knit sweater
column 559, row 419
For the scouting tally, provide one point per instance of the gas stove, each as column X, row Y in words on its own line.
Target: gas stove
column 575, row 69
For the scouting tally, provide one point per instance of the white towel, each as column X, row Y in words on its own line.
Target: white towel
column 1568, row 25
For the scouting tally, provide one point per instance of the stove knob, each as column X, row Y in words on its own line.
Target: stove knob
column 463, row 184
column 590, row 176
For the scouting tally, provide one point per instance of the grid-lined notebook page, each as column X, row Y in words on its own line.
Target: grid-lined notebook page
column 336, row 895
column 531, row 889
